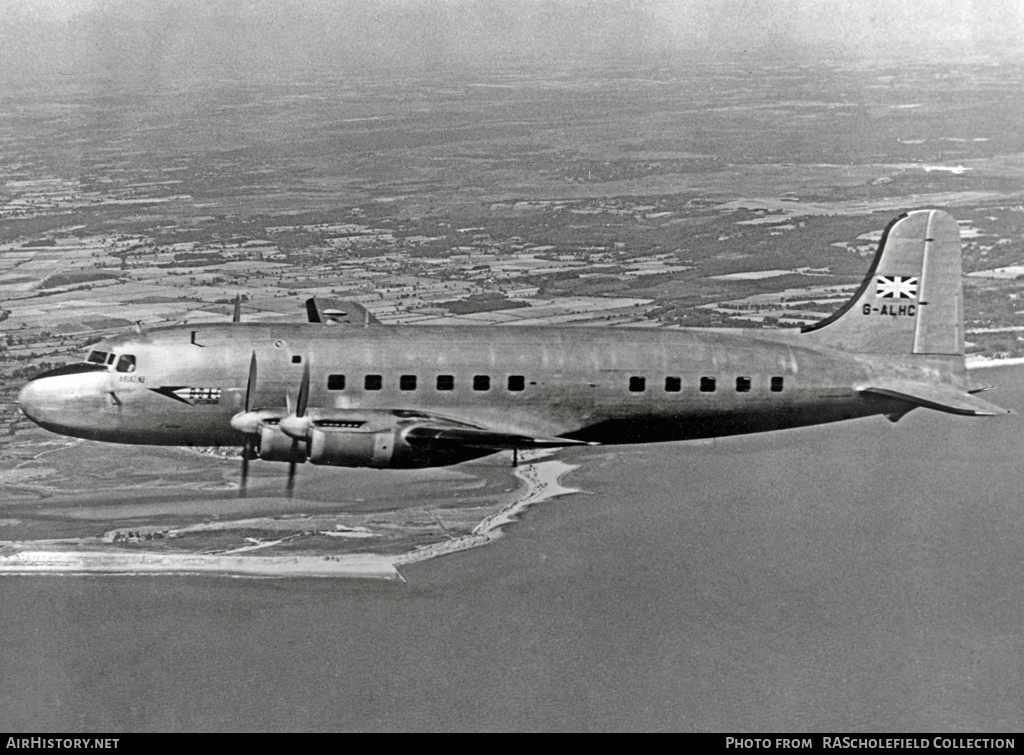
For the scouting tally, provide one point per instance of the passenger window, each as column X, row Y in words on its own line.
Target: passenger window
column 296, row 359
column 407, row 382
column 707, row 385
column 777, row 384
column 637, row 384
column 373, row 382
column 335, row 382
column 481, row 382
column 673, row 384
column 742, row 384
column 516, row 382
column 126, row 363
column 445, row 382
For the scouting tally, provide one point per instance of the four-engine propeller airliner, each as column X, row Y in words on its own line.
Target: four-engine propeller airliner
column 362, row 394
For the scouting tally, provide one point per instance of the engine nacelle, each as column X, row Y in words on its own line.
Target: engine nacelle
column 375, row 438
column 276, row 446
column 354, row 448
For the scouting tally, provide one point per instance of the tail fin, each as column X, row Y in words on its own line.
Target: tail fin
column 911, row 301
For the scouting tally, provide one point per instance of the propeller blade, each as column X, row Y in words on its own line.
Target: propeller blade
column 250, row 385
column 236, row 316
column 294, row 425
column 290, row 487
column 297, row 423
column 300, row 410
column 249, row 446
column 243, row 484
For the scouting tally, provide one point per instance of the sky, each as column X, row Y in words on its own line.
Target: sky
column 168, row 40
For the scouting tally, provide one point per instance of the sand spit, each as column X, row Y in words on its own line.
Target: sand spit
column 15, row 560
column 976, row 362
column 540, row 480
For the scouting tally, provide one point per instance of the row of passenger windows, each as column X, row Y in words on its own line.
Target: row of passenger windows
column 637, row 384
column 410, row 382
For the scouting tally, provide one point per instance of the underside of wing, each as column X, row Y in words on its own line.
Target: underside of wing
column 939, row 396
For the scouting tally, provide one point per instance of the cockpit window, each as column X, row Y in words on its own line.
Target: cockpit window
column 126, row 363
column 98, row 357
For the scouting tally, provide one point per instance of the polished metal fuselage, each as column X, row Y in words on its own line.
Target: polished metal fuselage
column 577, row 381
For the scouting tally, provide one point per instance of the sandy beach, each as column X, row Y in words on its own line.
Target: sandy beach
column 976, row 362
column 14, row 560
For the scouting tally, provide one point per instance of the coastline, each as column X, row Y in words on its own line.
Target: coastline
column 540, row 482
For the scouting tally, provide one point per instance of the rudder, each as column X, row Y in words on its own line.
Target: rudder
column 911, row 300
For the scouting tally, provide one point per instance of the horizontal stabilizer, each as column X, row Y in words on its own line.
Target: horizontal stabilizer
column 442, row 436
column 338, row 311
column 939, row 396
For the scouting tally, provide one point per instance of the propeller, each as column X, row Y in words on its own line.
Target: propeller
column 251, row 422
column 296, row 424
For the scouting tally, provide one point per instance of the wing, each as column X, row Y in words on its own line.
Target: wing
column 336, row 311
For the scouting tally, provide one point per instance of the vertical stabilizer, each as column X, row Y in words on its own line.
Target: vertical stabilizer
column 911, row 301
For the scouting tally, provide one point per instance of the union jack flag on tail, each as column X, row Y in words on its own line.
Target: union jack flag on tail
column 896, row 287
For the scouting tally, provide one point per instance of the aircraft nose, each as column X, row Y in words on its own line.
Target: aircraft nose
column 62, row 398
column 38, row 400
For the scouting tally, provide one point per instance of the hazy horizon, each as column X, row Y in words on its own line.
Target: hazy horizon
column 174, row 41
